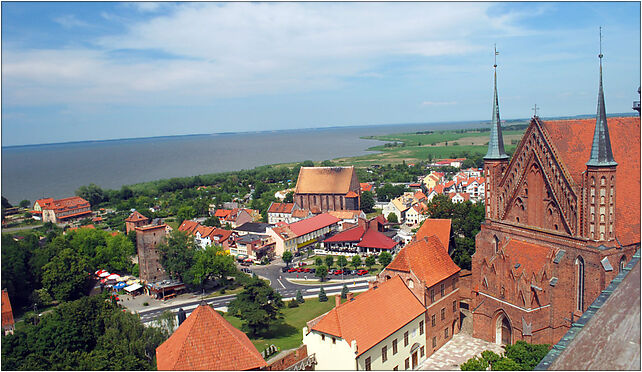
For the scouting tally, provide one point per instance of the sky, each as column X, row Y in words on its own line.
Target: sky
column 104, row 70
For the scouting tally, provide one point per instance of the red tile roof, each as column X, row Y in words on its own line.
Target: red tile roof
column 7, row 312
column 301, row 213
column 531, row 257
column 366, row 186
column 464, row 195
column 351, row 194
column 440, row 227
column 82, row 227
column 281, row 208
column 151, row 227
column 97, row 219
column 66, row 204
column 44, row 202
column 361, row 318
column 420, row 195
column 206, row 341
column 375, row 239
column 73, row 215
column 135, row 217
column 351, row 235
column 222, row 234
column 573, row 140
column 188, row 226
column 222, row 213
column 313, row 223
column 427, row 258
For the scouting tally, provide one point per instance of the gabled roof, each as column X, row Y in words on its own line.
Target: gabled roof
column 7, row 312
column 256, row 227
column 301, row 213
column 222, row 213
column 361, row 318
column 284, row 232
column 206, row 341
column 350, row 235
column 324, row 180
column 440, row 227
column 427, row 258
column 373, row 238
column 66, row 204
column 44, row 202
column 313, row 223
column 464, row 195
column 573, row 139
column 345, row 214
column 222, row 234
column 281, row 208
column 365, row 186
column 135, row 217
column 351, row 194
column 419, row 195
column 203, row 230
column 188, row 226
column 532, row 258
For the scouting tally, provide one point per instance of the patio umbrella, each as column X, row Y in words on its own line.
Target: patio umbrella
column 98, row 272
column 120, row 285
column 113, row 277
column 104, row 274
column 122, row 279
column 131, row 281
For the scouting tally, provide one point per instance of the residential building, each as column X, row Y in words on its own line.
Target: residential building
column 322, row 189
column 253, row 246
column 458, row 197
column 429, row 272
column 300, row 234
column 281, row 212
column 252, row 227
column 562, row 220
column 300, row 214
column 206, row 341
column 205, row 235
column 364, row 239
column 8, row 324
column 64, row 210
column 147, row 240
column 433, row 179
column 416, row 214
column 352, row 336
column 135, row 220
column 348, row 218
column 440, row 227
column 365, row 186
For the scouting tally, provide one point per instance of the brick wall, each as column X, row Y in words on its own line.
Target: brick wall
column 288, row 359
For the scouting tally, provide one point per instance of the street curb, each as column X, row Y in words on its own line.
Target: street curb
column 331, row 281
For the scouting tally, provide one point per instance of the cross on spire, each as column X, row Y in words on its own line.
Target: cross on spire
column 496, row 142
column 496, row 53
column 535, row 109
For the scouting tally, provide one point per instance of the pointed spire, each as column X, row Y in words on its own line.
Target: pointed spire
column 496, row 143
column 601, row 153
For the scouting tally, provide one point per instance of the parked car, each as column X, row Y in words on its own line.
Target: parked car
column 312, row 270
column 353, row 272
column 246, row 270
column 285, row 269
column 362, row 272
column 305, row 270
column 302, row 263
column 338, row 272
column 293, row 270
column 246, row 263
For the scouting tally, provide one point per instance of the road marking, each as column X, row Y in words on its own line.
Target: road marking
column 278, row 280
column 335, row 287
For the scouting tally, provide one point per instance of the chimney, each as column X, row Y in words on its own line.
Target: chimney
column 181, row 316
column 337, row 300
column 349, row 296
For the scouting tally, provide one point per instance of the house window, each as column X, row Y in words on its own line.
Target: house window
column 443, row 313
column 394, row 346
column 454, row 306
column 368, row 364
column 443, row 289
column 432, row 295
column 421, row 327
column 434, row 341
column 384, row 353
column 422, row 352
column 433, row 320
column 445, row 332
column 407, row 363
column 334, row 340
column 322, row 337
column 405, row 338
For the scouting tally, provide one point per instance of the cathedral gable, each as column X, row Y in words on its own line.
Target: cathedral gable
column 535, row 168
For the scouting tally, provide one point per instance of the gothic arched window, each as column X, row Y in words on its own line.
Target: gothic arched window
column 622, row 263
column 579, row 283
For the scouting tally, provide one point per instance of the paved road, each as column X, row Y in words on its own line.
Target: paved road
column 278, row 281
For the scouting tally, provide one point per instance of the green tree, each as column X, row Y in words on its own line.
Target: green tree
column 65, row 277
column 329, row 261
column 17, row 276
column 342, row 261
column 322, row 296
column 392, row 217
column 385, row 258
column 177, row 254
column 289, row 197
column 321, row 272
column 299, row 297
column 92, row 193
column 211, row 263
column 287, row 258
column 125, row 192
column 474, row 364
column 526, row 355
column 212, row 222
column 356, row 261
column 25, row 203
column 185, row 213
column 370, row 261
column 166, row 322
column 367, row 202
column 344, row 291
column 258, row 305
column 318, row 261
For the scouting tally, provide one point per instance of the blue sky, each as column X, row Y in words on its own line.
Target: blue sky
column 88, row 71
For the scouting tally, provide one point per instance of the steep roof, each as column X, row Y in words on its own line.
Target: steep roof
column 361, row 318
column 301, row 213
column 351, row 194
column 427, row 258
column 531, row 257
column 188, row 226
column 440, row 227
column 313, row 223
column 66, row 204
column 206, row 341
column 324, row 180
column 573, row 140
column 44, row 202
column 7, row 312
column 135, row 217
column 375, row 239
column 281, row 208
column 222, row 213
column 345, row 214
column 222, row 234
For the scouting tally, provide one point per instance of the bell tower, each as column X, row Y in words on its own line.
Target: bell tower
column 496, row 160
column 599, row 180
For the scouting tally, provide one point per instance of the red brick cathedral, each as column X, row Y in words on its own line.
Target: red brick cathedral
column 562, row 219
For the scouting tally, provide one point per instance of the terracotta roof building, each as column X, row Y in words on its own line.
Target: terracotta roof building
column 429, row 272
column 8, row 324
column 440, row 227
column 148, row 238
column 328, row 189
column 301, row 234
column 62, row 210
column 353, row 336
column 569, row 200
column 364, row 239
column 206, row 341
column 136, row 219
column 281, row 212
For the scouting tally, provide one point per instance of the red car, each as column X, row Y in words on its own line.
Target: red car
column 305, row 270
column 362, row 272
column 293, row 270
column 338, row 272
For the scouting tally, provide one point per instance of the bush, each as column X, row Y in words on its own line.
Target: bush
column 145, row 303
column 344, row 291
column 322, row 296
column 293, row 303
column 299, row 297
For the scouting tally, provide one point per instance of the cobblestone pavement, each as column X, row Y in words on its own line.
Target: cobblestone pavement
column 458, row 350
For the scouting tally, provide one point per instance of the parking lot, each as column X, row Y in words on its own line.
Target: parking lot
column 296, row 272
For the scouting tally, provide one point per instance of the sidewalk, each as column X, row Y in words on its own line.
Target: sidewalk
column 135, row 304
column 457, row 351
column 329, row 281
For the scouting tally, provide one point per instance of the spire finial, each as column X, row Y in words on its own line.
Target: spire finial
column 496, row 142
column 496, row 53
column 601, row 153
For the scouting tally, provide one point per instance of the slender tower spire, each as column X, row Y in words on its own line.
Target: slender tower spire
column 601, row 153
column 496, row 143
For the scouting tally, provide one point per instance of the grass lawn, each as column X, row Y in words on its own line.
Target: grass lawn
column 227, row 292
column 288, row 334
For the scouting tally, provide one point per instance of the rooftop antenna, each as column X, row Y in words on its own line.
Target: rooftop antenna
column 496, row 53
column 535, row 109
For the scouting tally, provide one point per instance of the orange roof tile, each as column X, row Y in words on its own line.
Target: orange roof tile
column 573, row 140
column 361, row 318
column 345, row 214
column 188, row 226
column 313, row 223
column 222, row 212
column 281, row 208
column 373, row 238
column 81, row 227
column 206, row 341
column 440, row 227
column 135, row 217
column 348, row 235
column 151, row 227
column 65, row 204
column 324, row 180
column 351, row 194
column 420, row 195
column 301, row 213
column 7, row 312
column 427, row 258
column 222, row 234
column 365, row 186
column 44, row 202
column 531, row 257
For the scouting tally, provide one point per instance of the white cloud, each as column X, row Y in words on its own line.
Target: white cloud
column 70, row 21
column 236, row 49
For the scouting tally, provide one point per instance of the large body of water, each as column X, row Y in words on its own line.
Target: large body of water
column 57, row 170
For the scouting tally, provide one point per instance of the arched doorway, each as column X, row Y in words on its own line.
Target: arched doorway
column 414, row 351
column 503, row 330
